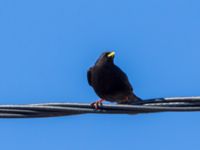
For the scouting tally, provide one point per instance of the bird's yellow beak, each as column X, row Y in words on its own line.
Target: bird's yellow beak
column 111, row 54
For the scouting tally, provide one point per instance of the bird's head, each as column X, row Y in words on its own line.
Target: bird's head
column 106, row 57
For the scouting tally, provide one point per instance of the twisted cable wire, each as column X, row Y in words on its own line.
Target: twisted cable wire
column 173, row 104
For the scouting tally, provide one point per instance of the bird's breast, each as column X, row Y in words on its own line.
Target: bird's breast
column 106, row 81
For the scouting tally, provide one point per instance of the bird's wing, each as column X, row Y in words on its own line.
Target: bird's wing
column 89, row 76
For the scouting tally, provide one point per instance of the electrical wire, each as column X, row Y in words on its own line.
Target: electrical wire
column 173, row 104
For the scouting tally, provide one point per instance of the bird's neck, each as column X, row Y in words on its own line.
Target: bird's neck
column 100, row 63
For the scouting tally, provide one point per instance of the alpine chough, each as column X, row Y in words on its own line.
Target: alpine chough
column 110, row 82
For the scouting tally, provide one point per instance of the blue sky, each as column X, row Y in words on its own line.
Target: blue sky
column 46, row 48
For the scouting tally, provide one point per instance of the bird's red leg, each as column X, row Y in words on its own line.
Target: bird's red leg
column 97, row 103
column 101, row 101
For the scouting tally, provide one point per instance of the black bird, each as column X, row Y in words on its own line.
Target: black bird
column 110, row 82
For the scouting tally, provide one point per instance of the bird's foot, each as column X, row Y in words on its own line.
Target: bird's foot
column 98, row 103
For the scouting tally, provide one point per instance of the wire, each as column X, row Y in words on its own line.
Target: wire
column 174, row 104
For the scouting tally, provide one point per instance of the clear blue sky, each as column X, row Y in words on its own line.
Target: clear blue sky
column 47, row 46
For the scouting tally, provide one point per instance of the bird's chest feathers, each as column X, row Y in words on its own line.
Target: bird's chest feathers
column 105, row 77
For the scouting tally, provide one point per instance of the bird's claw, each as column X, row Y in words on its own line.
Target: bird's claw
column 96, row 105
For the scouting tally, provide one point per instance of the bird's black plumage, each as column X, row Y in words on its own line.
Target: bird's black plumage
column 110, row 82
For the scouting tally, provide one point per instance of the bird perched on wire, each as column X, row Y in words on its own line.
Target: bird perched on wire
column 110, row 82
